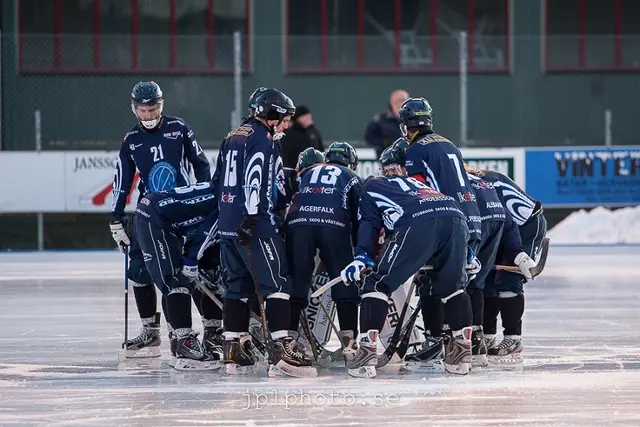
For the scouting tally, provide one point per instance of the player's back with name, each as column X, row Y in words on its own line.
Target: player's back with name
column 489, row 203
column 325, row 195
column 179, row 209
column 407, row 200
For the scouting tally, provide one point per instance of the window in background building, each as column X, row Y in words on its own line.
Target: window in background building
column 592, row 35
column 395, row 35
column 131, row 35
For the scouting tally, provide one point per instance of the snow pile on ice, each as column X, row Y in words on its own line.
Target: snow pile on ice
column 600, row 225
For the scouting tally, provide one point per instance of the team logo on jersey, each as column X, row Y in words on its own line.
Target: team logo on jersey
column 318, row 190
column 466, row 197
column 162, row 177
column 172, row 135
column 227, row 198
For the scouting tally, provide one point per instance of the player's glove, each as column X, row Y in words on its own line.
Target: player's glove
column 247, row 228
column 473, row 266
column 119, row 235
column 525, row 263
column 351, row 272
column 190, row 269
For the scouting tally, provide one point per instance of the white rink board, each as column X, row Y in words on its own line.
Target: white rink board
column 62, row 326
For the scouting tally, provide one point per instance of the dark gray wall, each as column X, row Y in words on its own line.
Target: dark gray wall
column 527, row 107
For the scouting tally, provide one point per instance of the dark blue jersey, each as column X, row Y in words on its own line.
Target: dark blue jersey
column 248, row 179
column 438, row 162
column 487, row 199
column 165, row 156
column 519, row 204
column 492, row 209
column 190, row 212
column 328, row 195
column 397, row 202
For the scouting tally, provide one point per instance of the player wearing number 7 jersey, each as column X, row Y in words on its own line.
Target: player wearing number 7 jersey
column 165, row 151
column 424, row 227
column 248, row 178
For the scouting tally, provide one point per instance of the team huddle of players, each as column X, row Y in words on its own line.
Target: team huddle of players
column 243, row 243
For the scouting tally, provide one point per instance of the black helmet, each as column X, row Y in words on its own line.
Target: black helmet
column 147, row 94
column 309, row 157
column 252, row 100
column 271, row 104
column 415, row 113
column 395, row 154
column 342, row 153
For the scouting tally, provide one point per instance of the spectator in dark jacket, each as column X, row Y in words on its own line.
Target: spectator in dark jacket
column 303, row 134
column 383, row 129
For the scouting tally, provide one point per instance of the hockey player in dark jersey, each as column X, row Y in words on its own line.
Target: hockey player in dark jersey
column 165, row 151
column 163, row 221
column 247, row 178
column 323, row 217
column 503, row 290
column 497, row 226
column 423, row 227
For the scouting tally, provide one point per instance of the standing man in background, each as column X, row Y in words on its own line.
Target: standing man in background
column 302, row 135
column 383, row 129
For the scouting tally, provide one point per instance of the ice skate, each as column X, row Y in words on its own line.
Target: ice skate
column 213, row 343
column 490, row 341
column 173, row 344
column 190, row 355
column 363, row 364
column 291, row 360
column 429, row 358
column 238, row 358
column 146, row 344
column 478, row 348
column 509, row 351
column 347, row 350
column 457, row 352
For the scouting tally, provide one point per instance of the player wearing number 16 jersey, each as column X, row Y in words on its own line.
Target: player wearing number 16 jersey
column 323, row 217
column 165, row 151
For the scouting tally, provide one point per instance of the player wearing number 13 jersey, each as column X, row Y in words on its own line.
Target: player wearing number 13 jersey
column 323, row 217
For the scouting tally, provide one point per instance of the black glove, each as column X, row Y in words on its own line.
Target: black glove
column 246, row 228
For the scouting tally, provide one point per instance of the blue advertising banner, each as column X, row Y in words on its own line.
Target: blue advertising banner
column 584, row 177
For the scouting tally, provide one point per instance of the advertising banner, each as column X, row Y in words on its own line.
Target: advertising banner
column 584, row 177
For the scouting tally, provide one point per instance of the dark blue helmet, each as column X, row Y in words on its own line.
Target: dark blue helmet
column 395, row 154
column 415, row 113
column 252, row 100
column 271, row 104
column 309, row 157
column 147, row 94
column 342, row 153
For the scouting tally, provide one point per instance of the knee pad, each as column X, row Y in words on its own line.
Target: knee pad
column 179, row 284
column 138, row 272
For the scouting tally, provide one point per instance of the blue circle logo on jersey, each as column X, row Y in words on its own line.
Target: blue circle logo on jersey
column 162, row 177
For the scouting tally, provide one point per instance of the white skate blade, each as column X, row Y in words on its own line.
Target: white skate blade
column 431, row 367
column 363, row 372
column 462, row 368
column 143, row 353
column 511, row 359
column 133, row 364
column 479, row 360
column 234, row 369
column 294, row 371
column 185, row 364
column 391, row 368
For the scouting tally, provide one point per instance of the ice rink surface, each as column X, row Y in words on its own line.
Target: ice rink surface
column 61, row 317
